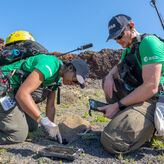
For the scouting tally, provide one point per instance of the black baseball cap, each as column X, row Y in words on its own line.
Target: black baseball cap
column 116, row 25
column 81, row 71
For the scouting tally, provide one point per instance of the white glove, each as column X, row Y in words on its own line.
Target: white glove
column 51, row 128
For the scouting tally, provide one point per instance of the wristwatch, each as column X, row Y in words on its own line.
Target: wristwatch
column 42, row 115
column 121, row 106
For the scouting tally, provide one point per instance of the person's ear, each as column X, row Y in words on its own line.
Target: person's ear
column 70, row 68
column 132, row 26
column 64, row 69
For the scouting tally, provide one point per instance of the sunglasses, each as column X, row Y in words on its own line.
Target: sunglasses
column 121, row 35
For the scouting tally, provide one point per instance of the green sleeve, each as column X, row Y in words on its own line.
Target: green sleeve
column 151, row 50
column 47, row 70
column 48, row 66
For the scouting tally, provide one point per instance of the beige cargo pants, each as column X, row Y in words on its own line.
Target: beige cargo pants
column 130, row 128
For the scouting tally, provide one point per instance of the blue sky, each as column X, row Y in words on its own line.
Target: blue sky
column 63, row 25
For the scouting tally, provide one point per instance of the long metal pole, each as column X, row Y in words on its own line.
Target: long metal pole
column 77, row 49
column 154, row 3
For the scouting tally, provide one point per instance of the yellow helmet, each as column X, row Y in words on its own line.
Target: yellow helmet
column 19, row 36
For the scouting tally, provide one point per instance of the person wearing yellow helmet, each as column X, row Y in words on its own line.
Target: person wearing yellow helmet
column 42, row 76
column 19, row 36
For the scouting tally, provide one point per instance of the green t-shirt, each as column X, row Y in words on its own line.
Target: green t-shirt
column 47, row 64
column 151, row 50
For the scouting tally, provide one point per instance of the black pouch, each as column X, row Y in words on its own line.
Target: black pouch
column 127, row 74
column 40, row 94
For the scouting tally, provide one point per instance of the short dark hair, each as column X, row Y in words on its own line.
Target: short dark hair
column 67, row 64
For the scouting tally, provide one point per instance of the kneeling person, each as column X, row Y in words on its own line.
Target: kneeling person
column 44, row 72
column 132, row 87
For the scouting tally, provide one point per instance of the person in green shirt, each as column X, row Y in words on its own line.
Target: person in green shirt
column 44, row 72
column 131, row 87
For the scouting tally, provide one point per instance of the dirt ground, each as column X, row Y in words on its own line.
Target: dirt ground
column 74, row 101
column 74, row 104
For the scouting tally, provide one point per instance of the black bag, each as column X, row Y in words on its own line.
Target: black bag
column 25, row 48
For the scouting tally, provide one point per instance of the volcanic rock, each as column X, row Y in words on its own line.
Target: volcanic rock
column 99, row 63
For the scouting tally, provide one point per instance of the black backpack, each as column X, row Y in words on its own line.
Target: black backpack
column 25, row 48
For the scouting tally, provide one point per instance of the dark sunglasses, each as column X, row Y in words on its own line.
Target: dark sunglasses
column 120, row 36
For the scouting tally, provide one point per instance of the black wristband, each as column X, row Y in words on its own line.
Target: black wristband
column 120, row 105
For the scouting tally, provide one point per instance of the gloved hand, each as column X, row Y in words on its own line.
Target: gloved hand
column 51, row 128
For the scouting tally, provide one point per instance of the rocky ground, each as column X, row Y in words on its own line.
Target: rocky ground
column 100, row 63
column 74, row 104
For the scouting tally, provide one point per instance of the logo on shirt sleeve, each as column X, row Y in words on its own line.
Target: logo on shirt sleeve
column 146, row 59
column 49, row 70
